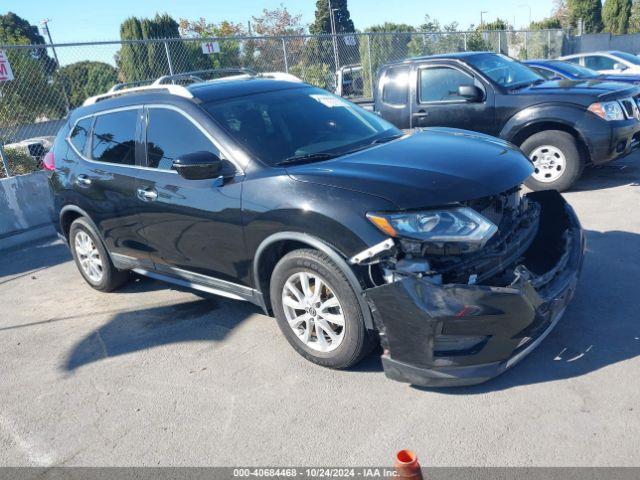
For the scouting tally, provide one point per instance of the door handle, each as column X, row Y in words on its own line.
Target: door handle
column 421, row 113
column 83, row 180
column 147, row 194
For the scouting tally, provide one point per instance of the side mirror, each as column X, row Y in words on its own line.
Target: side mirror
column 619, row 67
column 470, row 93
column 198, row 165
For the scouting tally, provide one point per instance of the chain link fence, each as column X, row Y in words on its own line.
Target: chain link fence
column 50, row 80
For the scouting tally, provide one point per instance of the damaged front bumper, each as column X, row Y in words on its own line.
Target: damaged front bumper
column 437, row 335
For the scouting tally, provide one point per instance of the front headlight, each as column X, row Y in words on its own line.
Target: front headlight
column 607, row 110
column 461, row 224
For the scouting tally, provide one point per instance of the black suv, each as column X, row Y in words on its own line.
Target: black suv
column 348, row 231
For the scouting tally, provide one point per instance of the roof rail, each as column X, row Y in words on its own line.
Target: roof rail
column 195, row 75
column 178, row 90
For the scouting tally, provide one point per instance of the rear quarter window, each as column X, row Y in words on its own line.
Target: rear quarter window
column 395, row 86
column 80, row 135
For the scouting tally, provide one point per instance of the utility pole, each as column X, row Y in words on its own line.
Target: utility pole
column 45, row 28
column 332, row 20
column 482, row 12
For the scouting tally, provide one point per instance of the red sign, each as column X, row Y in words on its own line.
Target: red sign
column 5, row 67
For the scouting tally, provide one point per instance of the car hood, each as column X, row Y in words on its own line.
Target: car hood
column 430, row 167
column 592, row 87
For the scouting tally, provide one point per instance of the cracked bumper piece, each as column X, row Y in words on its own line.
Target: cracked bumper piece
column 437, row 335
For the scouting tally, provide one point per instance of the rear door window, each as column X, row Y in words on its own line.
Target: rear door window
column 440, row 84
column 114, row 137
column 598, row 62
column 80, row 134
column 170, row 135
column 395, row 87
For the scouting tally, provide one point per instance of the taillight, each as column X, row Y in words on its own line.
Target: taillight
column 48, row 162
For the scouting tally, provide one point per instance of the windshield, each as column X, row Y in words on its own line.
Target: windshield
column 305, row 124
column 576, row 70
column 628, row 57
column 505, row 71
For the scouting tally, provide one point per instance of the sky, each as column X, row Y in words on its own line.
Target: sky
column 85, row 20
column 91, row 20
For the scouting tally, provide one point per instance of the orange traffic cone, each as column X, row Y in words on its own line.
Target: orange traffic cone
column 407, row 465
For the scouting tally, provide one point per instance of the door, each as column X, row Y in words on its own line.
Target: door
column 392, row 100
column 193, row 227
column 438, row 103
column 104, row 179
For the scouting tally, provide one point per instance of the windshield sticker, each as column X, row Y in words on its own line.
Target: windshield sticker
column 329, row 100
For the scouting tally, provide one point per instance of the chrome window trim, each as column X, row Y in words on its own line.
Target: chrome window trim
column 94, row 115
column 227, row 156
column 225, row 153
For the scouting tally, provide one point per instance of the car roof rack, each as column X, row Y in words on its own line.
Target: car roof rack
column 195, row 75
column 178, row 90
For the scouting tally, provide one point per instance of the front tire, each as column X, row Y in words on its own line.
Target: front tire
column 556, row 159
column 318, row 311
column 92, row 258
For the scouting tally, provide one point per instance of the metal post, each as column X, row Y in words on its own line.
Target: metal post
column 284, row 52
column 45, row 27
column 370, row 66
column 5, row 162
column 166, row 50
column 332, row 20
column 526, row 48
column 549, row 44
column 465, row 41
column 499, row 41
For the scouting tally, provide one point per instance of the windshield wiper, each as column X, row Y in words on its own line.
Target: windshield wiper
column 386, row 139
column 310, row 157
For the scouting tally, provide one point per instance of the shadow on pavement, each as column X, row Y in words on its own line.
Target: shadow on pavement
column 138, row 330
column 600, row 328
column 32, row 258
column 616, row 174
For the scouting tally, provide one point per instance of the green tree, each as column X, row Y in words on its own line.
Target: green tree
column 436, row 39
column 388, row 42
column 267, row 53
column 634, row 17
column 230, row 50
column 341, row 15
column 144, row 62
column 30, row 95
column 550, row 23
column 589, row 12
column 615, row 16
column 85, row 79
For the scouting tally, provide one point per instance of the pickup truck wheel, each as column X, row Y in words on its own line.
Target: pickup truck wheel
column 318, row 311
column 92, row 258
column 556, row 159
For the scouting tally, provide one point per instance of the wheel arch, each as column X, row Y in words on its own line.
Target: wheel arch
column 274, row 247
column 70, row 213
column 526, row 131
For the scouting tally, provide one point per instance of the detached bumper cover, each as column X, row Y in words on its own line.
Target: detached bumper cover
column 412, row 313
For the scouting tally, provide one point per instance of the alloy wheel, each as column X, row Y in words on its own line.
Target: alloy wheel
column 88, row 257
column 313, row 311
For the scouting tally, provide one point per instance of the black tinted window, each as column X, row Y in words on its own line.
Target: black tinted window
column 395, row 89
column 548, row 74
column 114, row 136
column 441, row 84
column 597, row 62
column 80, row 134
column 170, row 135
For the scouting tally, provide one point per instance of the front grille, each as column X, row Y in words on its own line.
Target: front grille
column 630, row 106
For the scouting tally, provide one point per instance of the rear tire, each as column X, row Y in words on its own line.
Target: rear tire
column 92, row 258
column 321, row 319
column 556, row 158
